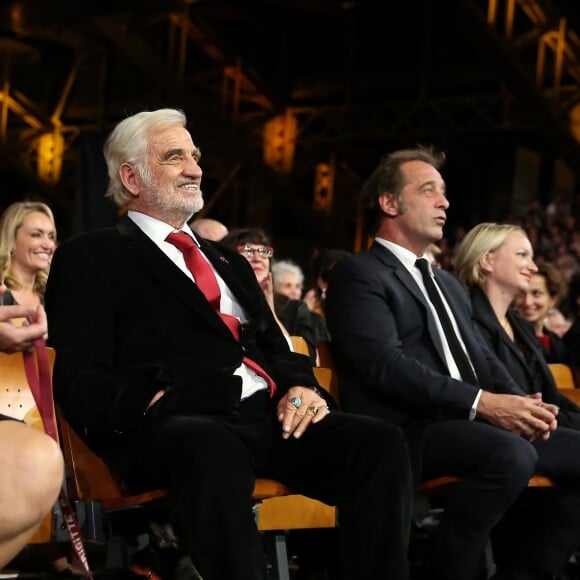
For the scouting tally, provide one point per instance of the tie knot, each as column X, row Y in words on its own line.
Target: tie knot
column 180, row 240
column 423, row 266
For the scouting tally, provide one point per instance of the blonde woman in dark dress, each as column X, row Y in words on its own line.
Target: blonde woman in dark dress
column 496, row 263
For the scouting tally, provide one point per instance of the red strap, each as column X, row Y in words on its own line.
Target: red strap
column 39, row 379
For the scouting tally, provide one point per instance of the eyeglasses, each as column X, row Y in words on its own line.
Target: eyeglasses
column 262, row 251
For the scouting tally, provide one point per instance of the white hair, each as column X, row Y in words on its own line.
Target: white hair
column 281, row 267
column 127, row 143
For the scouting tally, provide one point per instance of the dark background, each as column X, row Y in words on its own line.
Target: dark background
column 362, row 78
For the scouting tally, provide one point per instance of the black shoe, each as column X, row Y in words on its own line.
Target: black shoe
column 163, row 559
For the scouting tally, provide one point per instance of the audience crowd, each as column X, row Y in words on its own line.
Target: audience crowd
column 542, row 319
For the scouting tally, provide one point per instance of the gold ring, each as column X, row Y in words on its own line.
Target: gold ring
column 313, row 409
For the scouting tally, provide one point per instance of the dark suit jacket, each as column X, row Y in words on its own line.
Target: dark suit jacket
column 126, row 322
column 388, row 351
column 511, row 355
column 558, row 352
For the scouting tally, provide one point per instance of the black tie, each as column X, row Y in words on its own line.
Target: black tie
column 457, row 351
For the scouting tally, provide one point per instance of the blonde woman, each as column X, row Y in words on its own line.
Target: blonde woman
column 27, row 243
column 496, row 263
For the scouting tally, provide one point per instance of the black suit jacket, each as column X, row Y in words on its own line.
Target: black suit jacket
column 511, row 355
column 389, row 354
column 126, row 322
column 558, row 351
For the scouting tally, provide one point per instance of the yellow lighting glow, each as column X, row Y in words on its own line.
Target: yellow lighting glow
column 50, row 153
column 280, row 142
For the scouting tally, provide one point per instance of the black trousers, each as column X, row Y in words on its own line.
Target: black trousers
column 535, row 529
column 209, row 464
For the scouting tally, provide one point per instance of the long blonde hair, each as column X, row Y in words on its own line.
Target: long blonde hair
column 10, row 221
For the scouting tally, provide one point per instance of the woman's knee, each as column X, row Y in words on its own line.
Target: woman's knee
column 34, row 466
column 43, row 473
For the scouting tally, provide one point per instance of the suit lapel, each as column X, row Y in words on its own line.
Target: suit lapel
column 160, row 267
column 403, row 275
column 461, row 317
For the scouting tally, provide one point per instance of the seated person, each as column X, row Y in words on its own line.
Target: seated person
column 408, row 351
column 288, row 279
column 322, row 262
column 27, row 243
column 545, row 290
column 495, row 261
column 292, row 315
column 32, row 467
column 181, row 379
column 209, row 229
column 572, row 336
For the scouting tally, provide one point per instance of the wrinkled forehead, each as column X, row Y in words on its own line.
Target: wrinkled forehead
column 169, row 138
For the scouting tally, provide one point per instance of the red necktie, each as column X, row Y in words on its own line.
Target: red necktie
column 207, row 283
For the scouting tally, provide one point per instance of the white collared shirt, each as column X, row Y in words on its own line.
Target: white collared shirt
column 408, row 259
column 158, row 231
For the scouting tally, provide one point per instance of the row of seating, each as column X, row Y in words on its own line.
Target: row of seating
column 100, row 500
column 104, row 507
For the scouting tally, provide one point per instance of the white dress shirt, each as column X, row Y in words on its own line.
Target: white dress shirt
column 408, row 259
column 158, row 231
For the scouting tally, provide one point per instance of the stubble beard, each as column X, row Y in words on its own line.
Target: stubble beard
column 174, row 208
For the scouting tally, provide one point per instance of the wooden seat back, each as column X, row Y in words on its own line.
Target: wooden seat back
column 93, row 479
column 326, row 360
column 17, row 400
column 563, row 376
column 299, row 345
column 572, row 394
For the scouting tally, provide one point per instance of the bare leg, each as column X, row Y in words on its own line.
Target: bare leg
column 31, row 473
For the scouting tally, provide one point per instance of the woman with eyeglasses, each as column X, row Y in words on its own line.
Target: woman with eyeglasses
column 292, row 316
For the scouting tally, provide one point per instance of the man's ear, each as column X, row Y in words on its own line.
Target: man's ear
column 389, row 203
column 130, row 178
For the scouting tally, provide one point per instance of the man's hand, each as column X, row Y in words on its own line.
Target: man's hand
column 16, row 338
column 529, row 416
column 298, row 408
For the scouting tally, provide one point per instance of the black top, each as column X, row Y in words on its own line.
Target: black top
column 523, row 358
column 297, row 319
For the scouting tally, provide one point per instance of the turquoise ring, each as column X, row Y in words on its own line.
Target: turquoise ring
column 296, row 401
